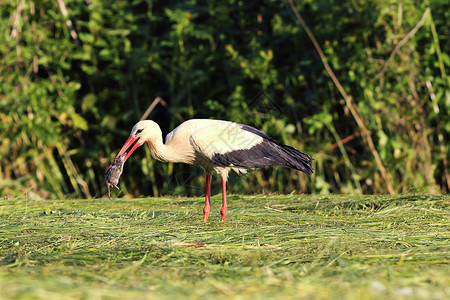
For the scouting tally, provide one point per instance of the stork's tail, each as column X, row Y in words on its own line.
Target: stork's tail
column 294, row 159
column 288, row 156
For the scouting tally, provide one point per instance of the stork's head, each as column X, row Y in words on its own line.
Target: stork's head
column 143, row 131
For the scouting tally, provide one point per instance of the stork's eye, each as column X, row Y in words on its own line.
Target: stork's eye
column 139, row 131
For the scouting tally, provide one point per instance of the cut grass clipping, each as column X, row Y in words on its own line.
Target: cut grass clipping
column 344, row 247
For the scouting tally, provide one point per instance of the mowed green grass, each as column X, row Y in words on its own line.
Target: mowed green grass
column 283, row 247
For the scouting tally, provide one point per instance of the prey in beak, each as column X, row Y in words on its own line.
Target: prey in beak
column 113, row 174
column 130, row 145
column 116, row 168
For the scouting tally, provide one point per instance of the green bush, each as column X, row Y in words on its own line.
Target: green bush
column 72, row 86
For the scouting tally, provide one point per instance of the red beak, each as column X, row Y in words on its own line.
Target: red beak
column 130, row 145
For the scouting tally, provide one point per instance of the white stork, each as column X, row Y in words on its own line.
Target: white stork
column 218, row 146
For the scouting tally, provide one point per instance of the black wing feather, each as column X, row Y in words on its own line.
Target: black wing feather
column 267, row 153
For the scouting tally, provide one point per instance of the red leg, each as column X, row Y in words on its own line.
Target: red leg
column 223, row 211
column 207, row 198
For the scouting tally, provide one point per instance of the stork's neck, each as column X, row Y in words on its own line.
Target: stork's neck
column 162, row 152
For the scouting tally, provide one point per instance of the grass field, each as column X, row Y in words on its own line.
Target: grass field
column 284, row 247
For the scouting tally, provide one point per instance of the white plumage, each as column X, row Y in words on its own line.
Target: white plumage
column 218, row 146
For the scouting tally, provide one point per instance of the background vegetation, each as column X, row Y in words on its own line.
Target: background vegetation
column 75, row 75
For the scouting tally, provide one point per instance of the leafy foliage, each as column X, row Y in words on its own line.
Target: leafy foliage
column 73, row 84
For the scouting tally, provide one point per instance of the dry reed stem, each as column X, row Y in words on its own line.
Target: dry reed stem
column 152, row 106
column 348, row 101
column 401, row 43
column 69, row 24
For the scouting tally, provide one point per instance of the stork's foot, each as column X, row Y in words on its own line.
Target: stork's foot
column 223, row 212
column 206, row 213
column 207, row 198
